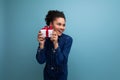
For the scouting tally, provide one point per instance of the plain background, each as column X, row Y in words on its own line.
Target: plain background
column 93, row 24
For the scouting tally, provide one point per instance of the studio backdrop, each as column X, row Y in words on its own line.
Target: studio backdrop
column 93, row 24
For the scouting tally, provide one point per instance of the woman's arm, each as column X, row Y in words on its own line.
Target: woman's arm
column 40, row 56
column 62, row 54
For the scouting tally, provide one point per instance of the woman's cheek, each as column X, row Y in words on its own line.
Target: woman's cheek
column 57, row 27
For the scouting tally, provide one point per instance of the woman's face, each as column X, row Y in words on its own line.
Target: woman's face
column 59, row 25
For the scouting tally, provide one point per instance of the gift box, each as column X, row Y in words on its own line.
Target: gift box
column 47, row 31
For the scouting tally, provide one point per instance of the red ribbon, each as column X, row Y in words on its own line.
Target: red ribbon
column 47, row 28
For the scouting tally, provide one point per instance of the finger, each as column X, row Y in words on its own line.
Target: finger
column 41, row 39
column 51, row 38
column 40, row 33
column 54, row 34
column 40, row 36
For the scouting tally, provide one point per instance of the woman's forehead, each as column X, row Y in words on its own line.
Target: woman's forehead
column 61, row 20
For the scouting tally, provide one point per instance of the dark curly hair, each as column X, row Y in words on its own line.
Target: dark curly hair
column 52, row 15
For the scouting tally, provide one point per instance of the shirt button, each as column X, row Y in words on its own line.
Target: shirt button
column 52, row 68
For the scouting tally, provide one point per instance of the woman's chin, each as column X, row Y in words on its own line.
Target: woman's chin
column 59, row 34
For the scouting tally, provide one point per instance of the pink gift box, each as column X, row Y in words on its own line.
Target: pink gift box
column 47, row 31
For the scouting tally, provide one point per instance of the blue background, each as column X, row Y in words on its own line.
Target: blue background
column 93, row 24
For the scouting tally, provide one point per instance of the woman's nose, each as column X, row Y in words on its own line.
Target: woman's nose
column 61, row 27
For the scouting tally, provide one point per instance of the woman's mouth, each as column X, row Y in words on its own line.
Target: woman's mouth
column 60, row 32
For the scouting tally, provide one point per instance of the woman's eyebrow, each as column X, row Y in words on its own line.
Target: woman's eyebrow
column 59, row 23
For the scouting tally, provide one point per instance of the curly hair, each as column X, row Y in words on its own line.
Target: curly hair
column 52, row 15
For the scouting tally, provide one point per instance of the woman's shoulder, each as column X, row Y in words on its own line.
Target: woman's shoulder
column 67, row 37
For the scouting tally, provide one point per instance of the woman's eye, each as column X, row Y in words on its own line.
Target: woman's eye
column 64, row 25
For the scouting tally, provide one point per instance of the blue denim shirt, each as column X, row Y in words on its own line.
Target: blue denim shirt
column 55, row 59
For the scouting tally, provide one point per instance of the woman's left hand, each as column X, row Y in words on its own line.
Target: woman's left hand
column 54, row 39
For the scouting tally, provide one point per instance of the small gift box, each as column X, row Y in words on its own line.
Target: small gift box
column 47, row 31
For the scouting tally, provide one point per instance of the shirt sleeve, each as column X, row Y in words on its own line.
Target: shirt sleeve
column 62, row 54
column 40, row 56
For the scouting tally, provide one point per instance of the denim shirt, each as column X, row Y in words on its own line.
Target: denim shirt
column 55, row 59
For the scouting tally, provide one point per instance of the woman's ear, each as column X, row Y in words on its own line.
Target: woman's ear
column 51, row 24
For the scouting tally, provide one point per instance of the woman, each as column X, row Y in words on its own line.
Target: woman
column 54, row 51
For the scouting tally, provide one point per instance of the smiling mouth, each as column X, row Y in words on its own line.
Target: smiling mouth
column 60, row 31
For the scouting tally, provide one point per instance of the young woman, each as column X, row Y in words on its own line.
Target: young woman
column 54, row 51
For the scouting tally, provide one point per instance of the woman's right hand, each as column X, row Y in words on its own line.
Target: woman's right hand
column 41, row 40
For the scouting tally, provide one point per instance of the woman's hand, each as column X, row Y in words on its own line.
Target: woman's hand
column 54, row 39
column 41, row 40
